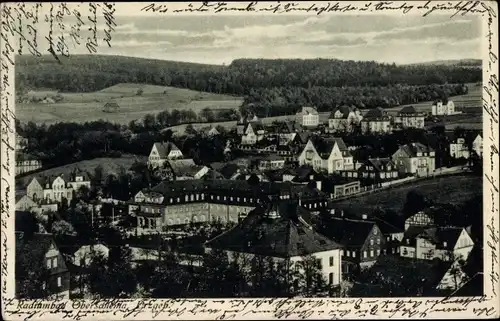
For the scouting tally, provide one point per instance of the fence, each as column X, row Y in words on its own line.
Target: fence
column 381, row 186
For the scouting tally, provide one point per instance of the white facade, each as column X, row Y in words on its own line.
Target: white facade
column 156, row 159
column 341, row 124
column 376, row 126
column 308, row 117
column 440, row 109
column 459, row 149
column 54, row 190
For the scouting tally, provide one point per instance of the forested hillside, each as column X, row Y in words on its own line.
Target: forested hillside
column 271, row 87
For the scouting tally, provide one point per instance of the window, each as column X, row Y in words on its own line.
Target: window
column 371, row 253
column 330, row 278
column 59, row 281
column 54, row 262
column 378, row 240
column 318, row 263
column 49, row 263
column 365, row 254
column 353, row 254
column 371, row 242
column 331, row 260
column 378, row 251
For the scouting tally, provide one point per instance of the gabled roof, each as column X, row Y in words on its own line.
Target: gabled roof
column 275, row 229
column 302, row 137
column 229, row 170
column 376, row 114
column 112, row 104
column 436, row 235
column 165, row 148
column 308, row 110
column 380, row 163
column 349, row 232
column 184, row 167
column 412, row 149
column 408, row 110
column 38, row 244
column 324, row 147
column 344, row 110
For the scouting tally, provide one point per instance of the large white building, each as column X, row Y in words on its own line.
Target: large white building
column 477, row 145
column 279, row 230
column 344, row 119
column 459, row 149
column 308, row 117
column 162, row 152
column 440, row 108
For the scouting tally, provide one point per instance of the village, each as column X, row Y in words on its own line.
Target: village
column 267, row 219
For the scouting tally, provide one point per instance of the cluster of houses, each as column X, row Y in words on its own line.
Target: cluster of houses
column 275, row 197
column 25, row 162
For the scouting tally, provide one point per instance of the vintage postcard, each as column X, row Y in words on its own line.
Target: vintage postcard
column 249, row 160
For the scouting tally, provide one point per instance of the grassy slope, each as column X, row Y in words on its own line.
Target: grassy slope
column 110, row 165
column 449, row 189
column 82, row 107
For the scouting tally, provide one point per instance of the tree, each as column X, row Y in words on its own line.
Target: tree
column 31, row 276
column 61, row 227
column 190, row 130
column 139, row 92
column 312, row 280
column 207, row 114
column 415, row 202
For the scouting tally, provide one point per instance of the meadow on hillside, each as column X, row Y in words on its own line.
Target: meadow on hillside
column 83, row 107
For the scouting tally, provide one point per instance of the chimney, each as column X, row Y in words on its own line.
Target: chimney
column 364, row 216
column 318, row 185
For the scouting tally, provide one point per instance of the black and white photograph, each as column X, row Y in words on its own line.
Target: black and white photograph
column 248, row 150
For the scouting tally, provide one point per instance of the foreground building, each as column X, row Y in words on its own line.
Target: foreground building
column 279, row 230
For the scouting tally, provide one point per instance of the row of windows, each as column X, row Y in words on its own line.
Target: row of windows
column 59, row 283
column 52, row 263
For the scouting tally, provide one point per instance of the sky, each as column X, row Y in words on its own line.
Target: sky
column 219, row 39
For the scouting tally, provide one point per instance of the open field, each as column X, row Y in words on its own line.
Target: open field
column 110, row 165
column 449, row 189
column 83, row 107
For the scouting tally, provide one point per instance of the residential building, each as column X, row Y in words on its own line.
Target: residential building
column 280, row 230
column 52, row 189
column 26, row 163
column 271, row 162
column 415, row 158
column 287, row 131
column 379, row 170
column 162, row 152
column 445, row 243
column 459, row 149
column 408, row 117
column 25, row 203
column 242, row 123
column 308, row 117
column 362, row 240
column 477, row 145
column 344, row 119
column 420, row 220
column 40, row 249
column 77, row 179
column 253, row 133
column 393, row 232
column 210, row 131
column 111, row 107
column 376, row 121
column 442, row 108
column 331, row 155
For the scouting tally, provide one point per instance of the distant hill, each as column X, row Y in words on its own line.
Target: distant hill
column 457, row 62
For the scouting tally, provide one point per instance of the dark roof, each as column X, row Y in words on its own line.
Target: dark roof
column 435, row 235
column 376, row 114
column 386, row 227
column 414, row 148
column 348, row 232
column 302, row 137
column 324, row 146
column 275, row 229
column 229, row 170
column 112, row 104
column 23, row 156
column 473, row 287
column 380, row 163
column 345, row 110
column 165, row 148
column 25, row 222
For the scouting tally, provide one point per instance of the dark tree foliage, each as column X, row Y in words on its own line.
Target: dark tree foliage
column 270, row 87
